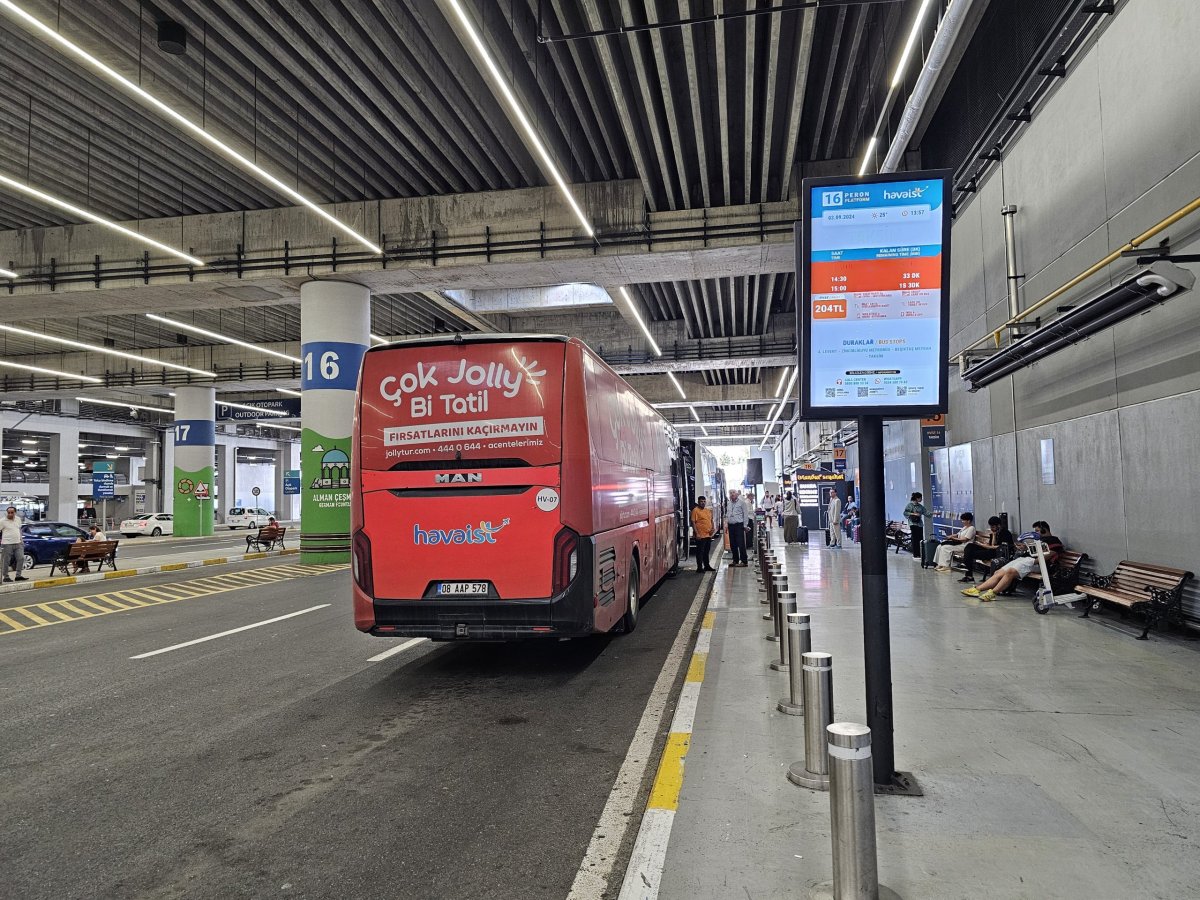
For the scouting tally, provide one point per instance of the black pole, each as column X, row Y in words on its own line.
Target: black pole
column 877, row 646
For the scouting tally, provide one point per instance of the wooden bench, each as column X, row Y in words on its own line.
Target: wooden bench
column 1143, row 588
column 982, row 539
column 84, row 552
column 269, row 537
column 1064, row 574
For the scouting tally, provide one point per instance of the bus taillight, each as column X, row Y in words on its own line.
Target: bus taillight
column 566, row 559
column 361, row 562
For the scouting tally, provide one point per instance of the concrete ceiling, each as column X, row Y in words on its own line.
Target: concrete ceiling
column 376, row 105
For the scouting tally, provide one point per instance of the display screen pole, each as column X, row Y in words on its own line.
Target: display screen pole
column 877, row 644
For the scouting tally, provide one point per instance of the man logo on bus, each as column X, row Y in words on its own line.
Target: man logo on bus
column 484, row 534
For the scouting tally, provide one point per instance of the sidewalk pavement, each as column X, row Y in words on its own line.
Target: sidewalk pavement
column 1055, row 753
column 168, row 562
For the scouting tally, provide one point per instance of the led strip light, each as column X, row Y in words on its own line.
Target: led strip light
column 216, row 336
column 28, row 368
column 637, row 317
column 79, row 345
column 51, row 200
column 502, row 85
column 49, row 34
column 155, row 409
column 8, row 273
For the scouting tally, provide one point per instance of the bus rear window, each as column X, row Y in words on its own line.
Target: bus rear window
column 439, row 402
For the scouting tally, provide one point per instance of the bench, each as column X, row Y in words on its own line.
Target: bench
column 898, row 534
column 269, row 537
column 99, row 552
column 987, row 566
column 1143, row 588
column 1064, row 574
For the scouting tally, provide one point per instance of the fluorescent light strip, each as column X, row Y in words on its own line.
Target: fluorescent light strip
column 51, row 200
column 221, row 337
column 8, row 273
column 378, row 340
column 157, row 409
column 501, row 82
column 678, row 386
column 187, row 124
column 641, row 324
column 911, row 42
column 289, row 392
column 695, row 415
column 782, row 380
column 868, row 156
column 704, row 431
column 258, row 409
column 79, row 345
column 273, row 425
column 88, row 378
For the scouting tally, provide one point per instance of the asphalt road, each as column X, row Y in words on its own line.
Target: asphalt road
column 280, row 761
column 134, row 548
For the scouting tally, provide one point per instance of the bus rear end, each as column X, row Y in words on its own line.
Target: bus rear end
column 458, row 526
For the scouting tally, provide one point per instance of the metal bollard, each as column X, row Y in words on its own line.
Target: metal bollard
column 799, row 642
column 785, row 606
column 764, row 567
column 778, row 583
column 813, row 770
column 852, row 815
column 775, row 570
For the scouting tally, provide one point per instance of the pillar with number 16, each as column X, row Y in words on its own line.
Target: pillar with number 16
column 335, row 331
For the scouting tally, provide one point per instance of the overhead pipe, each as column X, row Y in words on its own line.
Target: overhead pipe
column 1010, row 259
column 939, row 53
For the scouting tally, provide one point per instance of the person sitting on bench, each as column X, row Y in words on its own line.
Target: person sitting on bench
column 1008, row 575
column 944, row 555
column 1002, row 541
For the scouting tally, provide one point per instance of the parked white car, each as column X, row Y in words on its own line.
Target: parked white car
column 154, row 524
column 247, row 517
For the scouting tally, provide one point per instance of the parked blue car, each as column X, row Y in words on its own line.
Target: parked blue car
column 45, row 540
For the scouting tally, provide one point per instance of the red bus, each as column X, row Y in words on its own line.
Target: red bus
column 506, row 486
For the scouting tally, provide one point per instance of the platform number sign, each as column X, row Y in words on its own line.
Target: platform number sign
column 330, row 365
column 195, row 432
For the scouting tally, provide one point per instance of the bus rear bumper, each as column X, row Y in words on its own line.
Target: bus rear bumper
column 569, row 614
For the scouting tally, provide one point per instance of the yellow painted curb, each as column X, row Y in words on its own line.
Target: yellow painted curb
column 669, row 780
column 695, row 670
column 120, row 573
column 172, row 567
column 218, row 561
column 55, row 582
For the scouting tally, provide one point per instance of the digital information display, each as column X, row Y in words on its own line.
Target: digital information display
column 874, row 263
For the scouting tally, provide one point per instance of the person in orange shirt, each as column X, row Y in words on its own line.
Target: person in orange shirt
column 702, row 531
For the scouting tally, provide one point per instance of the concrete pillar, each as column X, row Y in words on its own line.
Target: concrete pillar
column 62, row 469
column 335, row 329
column 226, row 476
column 194, row 438
column 167, row 469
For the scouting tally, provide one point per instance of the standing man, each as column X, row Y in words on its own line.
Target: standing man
column 12, row 550
column 835, row 520
column 916, row 513
column 702, row 531
column 737, row 530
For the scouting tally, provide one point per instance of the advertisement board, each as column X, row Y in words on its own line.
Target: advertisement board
column 873, row 259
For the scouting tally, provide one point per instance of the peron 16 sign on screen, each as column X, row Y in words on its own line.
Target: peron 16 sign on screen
column 876, row 292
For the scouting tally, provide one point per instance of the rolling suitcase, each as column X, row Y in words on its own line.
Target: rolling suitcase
column 802, row 534
column 928, row 549
column 828, row 539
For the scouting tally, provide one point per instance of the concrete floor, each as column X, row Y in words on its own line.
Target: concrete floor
column 1057, row 755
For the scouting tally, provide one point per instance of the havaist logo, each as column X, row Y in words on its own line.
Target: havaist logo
column 469, row 534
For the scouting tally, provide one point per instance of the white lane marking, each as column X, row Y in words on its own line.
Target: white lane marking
column 685, row 711
column 703, row 640
column 644, row 875
column 621, row 811
column 213, row 637
column 399, row 648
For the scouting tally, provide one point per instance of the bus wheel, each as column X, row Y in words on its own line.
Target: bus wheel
column 630, row 619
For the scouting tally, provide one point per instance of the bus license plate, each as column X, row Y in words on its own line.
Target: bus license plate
column 458, row 588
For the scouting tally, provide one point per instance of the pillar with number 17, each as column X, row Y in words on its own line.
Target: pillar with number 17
column 335, row 332
column 195, row 437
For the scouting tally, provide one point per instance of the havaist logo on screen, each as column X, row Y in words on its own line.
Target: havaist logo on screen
column 485, row 533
